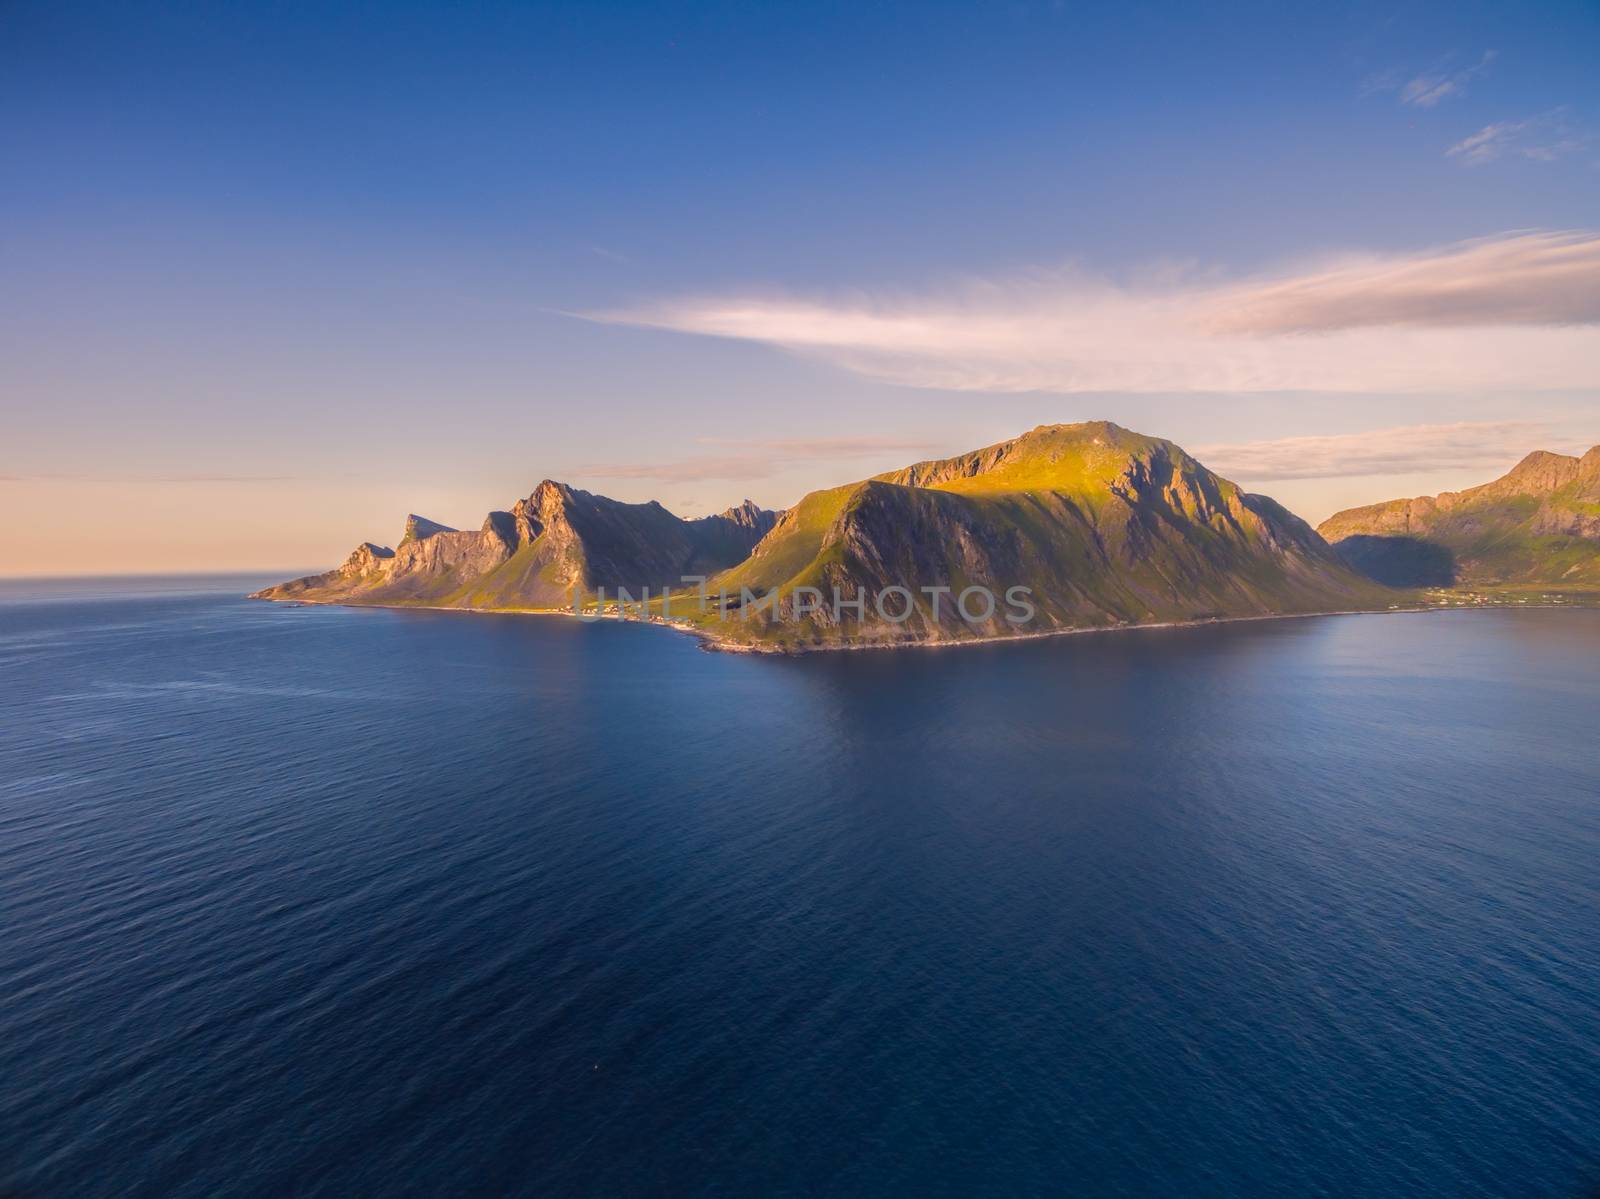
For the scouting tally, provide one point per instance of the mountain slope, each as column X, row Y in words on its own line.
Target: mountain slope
column 1539, row 523
column 1103, row 526
column 533, row 556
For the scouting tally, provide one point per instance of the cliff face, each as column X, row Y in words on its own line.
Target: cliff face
column 1539, row 523
column 1103, row 526
column 533, row 556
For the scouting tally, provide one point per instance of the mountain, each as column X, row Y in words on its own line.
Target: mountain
column 533, row 556
column 1065, row 527
column 1538, row 524
column 1104, row 526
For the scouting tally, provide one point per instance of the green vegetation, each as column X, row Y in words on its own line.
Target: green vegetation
column 1099, row 526
column 1537, row 525
column 1103, row 526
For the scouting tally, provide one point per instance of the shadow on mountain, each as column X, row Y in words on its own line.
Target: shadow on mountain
column 1400, row 561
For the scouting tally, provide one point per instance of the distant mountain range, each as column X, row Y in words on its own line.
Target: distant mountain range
column 556, row 541
column 1097, row 526
column 1538, row 524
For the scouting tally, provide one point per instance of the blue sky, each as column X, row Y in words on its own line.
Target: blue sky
column 279, row 274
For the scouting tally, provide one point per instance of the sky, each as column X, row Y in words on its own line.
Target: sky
column 277, row 275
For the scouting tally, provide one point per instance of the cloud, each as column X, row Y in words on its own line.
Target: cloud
column 1515, row 312
column 1487, row 446
column 1527, row 279
column 1542, row 138
column 1425, row 91
column 1485, row 145
column 757, row 459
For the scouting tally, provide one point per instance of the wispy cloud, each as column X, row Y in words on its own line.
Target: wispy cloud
column 1486, row 446
column 1485, row 145
column 1432, row 88
column 1542, row 138
column 1524, row 279
column 1518, row 311
column 753, row 459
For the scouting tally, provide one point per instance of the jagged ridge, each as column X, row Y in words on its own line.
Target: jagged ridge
column 557, row 539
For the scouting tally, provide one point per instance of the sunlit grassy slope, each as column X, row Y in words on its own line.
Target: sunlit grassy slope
column 1103, row 527
column 1538, row 524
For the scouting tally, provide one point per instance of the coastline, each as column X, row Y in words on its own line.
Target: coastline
column 713, row 643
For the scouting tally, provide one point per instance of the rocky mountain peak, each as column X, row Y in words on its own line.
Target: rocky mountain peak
column 367, row 555
column 1095, row 432
column 420, row 528
column 1083, row 457
column 1540, row 471
column 747, row 515
column 550, row 499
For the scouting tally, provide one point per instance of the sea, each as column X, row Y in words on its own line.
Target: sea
column 318, row 901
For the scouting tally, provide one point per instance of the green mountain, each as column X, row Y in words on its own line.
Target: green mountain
column 1102, row 526
column 535, row 555
column 1066, row 527
column 1539, row 524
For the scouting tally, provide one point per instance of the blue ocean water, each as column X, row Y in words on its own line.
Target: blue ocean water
column 316, row 901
